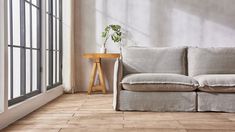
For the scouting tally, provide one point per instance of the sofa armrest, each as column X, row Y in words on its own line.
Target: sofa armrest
column 118, row 73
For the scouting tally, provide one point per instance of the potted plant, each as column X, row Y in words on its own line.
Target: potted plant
column 111, row 31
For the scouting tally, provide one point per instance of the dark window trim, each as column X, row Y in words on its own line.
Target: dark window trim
column 23, row 98
column 23, row 48
column 11, row 48
column 61, row 42
column 50, row 43
column 51, row 50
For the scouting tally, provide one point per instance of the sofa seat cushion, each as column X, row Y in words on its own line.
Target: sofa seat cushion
column 216, row 82
column 158, row 82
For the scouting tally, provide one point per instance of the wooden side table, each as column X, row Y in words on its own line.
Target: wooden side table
column 96, row 57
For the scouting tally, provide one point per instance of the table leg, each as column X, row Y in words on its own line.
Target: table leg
column 92, row 78
column 101, row 77
column 101, row 86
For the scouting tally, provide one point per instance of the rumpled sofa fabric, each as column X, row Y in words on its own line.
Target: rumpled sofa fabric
column 158, row 82
column 154, row 60
column 175, row 79
column 224, row 83
column 203, row 61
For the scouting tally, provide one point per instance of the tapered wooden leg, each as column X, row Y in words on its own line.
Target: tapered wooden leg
column 101, row 86
column 101, row 77
column 92, row 78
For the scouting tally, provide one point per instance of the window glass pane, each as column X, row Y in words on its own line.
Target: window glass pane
column 27, row 24
column 58, row 67
column 54, row 7
column 54, row 67
column 47, row 67
column 28, row 71
column 47, row 32
column 60, row 75
column 16, row 72
column 35, row 69
column 54, row 33
column 35, row 2
column 16, row 21
column 58, row 35
column 34, row 27
column 58, row 11
column 9, row 20
column 9, row 73
column 47, row 6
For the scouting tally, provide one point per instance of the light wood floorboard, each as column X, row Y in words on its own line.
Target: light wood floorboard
column 94, row 113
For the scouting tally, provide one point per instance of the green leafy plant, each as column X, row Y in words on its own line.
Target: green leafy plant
column 113, row 31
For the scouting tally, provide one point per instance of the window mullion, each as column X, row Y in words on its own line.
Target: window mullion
column 39, row 29
column 22, row 50
column 60, row 39
column 56, row 32
column 31, row 52
column 50, row 43
column 11, row 50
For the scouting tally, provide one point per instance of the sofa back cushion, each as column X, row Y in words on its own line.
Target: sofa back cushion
column 211, row 61
column 154, row 60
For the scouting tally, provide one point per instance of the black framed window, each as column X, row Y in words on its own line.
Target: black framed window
column 54, row 43
column 24, row 49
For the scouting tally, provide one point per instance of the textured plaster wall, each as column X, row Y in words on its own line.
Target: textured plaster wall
column 150, row 23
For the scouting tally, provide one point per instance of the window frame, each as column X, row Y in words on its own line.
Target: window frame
column 23, row 95
column 50, row 43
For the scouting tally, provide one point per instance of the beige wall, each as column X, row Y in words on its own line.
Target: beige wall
column 150, row 23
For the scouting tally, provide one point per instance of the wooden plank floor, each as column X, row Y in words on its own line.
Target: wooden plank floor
column 94, row 113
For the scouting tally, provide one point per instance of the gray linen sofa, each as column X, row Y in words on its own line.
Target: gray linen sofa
column 175, row 79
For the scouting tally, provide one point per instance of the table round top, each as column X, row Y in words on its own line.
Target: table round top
column 101, row 55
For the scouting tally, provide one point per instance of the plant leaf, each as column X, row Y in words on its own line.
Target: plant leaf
column 119, row 33
column 107, row 28
column 116, row 35
column 104, row 34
